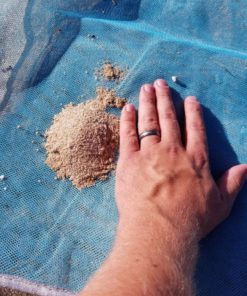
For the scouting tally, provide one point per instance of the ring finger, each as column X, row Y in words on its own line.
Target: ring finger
column 148, row 115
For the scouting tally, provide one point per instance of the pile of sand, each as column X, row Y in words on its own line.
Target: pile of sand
column 111, row 72
column 83, row 140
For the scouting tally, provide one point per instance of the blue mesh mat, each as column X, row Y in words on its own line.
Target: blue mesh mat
column 53, row 234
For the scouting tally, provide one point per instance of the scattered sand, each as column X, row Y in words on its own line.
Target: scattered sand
column 110, row 72
column 83, row 140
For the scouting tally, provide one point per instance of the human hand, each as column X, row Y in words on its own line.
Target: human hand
column 167, row 200
column 161, row 176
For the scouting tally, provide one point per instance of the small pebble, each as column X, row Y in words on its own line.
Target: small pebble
column 39, row 181
column 33, row 142
column 37, row 149
column 2, row 177
column 19, row 126
column 5, row 188
column 55, row 178
column 218, row 79
column 38, row 133
column 91, row 36
column 174, row 79
column 9, row 68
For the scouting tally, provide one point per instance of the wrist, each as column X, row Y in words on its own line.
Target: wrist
column 150, row 241
column 146, row 219
column 146, row 227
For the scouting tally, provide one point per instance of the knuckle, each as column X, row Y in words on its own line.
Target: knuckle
column 199, row 126
column 172, row 149
column 169, row 114
column 130, row 137
column 130, row 133
column 127, row 162
column 170, row 177
column 201, row 160
column 199, row 144
column 133, row 141
column 197, row 110
column 148, row 99
column 194, row 108
column 150, row 122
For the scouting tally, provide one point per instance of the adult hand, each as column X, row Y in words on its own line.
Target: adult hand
column 167, row 200
column 163, row 174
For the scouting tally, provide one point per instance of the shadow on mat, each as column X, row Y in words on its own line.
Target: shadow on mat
column 51, row 28
column 230, row 236
column 221, row 153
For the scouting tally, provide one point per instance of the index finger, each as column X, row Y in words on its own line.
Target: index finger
column 129, row 142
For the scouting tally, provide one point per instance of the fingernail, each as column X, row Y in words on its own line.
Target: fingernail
column 148, row 88
column 192, row 99
column 161, row 83
column 129, row 107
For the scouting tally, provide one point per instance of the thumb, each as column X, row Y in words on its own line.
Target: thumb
column 232, row 181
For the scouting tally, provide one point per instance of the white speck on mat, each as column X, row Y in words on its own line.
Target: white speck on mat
column 174, row 79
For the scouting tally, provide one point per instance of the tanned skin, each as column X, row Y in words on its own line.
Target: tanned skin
column 166, row 197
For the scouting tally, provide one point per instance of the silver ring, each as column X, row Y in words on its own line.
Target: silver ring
column 149, row 133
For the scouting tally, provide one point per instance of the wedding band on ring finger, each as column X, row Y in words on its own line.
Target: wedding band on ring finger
column 152, row 132
column 148, row 116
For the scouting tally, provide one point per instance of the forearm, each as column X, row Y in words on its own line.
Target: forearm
column 150, row 257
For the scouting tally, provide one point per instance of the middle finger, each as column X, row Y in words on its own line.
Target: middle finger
column 170, row 130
